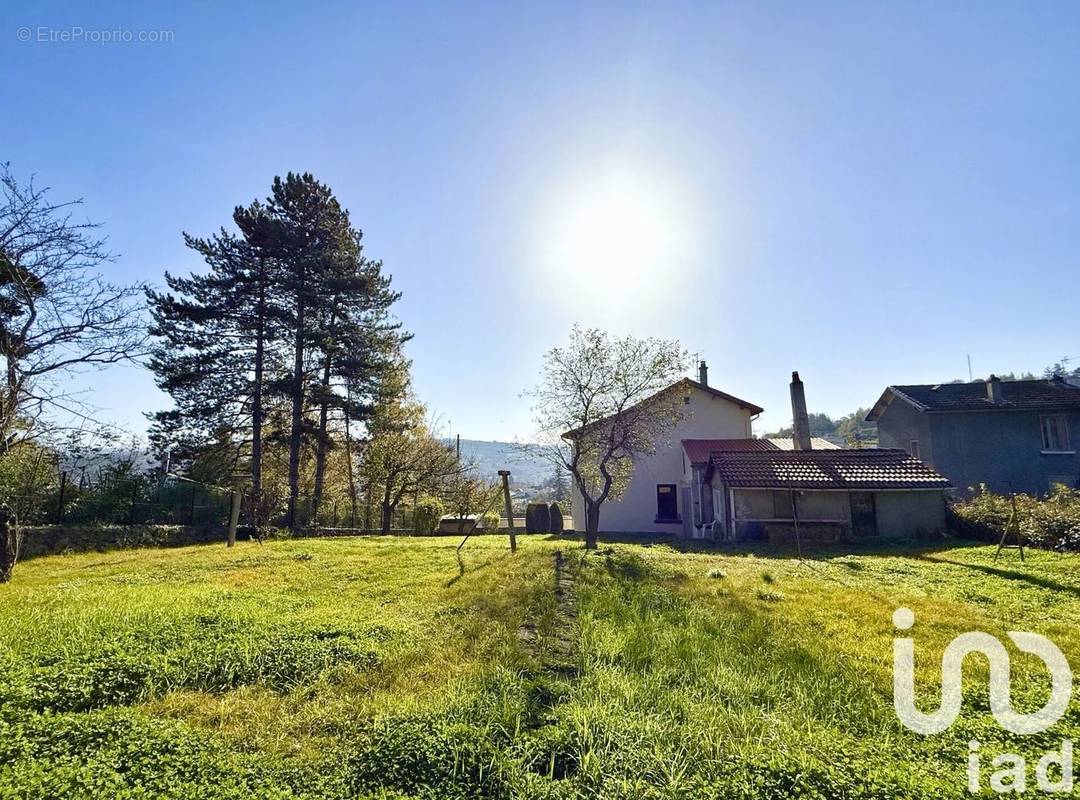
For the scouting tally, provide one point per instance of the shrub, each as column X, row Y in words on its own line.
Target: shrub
column 556, row 518
column 489, row 520
column 1052, row 522
column 537, row 518
column 717, row 573
column 426, row 515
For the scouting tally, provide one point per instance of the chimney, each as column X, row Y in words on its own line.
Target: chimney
column 993, row 389
column 801, row 421
column 703, row 374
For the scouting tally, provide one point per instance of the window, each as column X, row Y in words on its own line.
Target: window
column 783, row 507
column 1055, row 432
column 914, row 448
column 667, row 504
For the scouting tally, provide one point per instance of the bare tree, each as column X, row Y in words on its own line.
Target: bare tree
column 405, row 457
column 602, row 403
column 57, row 314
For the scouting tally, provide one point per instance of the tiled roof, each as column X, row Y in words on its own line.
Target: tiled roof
column 699, row 450
column 1042, row 395
column 825, row 469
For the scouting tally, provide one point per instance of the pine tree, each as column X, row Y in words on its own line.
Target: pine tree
column 214, row 332
column 343, row 340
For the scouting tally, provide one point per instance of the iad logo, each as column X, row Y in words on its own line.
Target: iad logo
column 1013, row 775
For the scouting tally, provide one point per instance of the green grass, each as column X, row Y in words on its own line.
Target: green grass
column 374, row 667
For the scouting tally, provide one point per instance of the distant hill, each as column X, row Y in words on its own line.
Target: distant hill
column 490, row 457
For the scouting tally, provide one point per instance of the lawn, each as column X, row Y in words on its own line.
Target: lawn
column 377, row 667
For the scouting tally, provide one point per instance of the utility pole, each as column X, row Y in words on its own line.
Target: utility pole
column 505, row 475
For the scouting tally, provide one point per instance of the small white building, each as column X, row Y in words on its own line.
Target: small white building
column 659, row 498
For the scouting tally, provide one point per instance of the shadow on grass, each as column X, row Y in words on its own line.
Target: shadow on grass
column 811, row 552
column 1005, row 573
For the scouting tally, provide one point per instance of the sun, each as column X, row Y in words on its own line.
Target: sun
column 619, row 228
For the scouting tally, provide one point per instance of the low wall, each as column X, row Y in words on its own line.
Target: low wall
column 46, row 540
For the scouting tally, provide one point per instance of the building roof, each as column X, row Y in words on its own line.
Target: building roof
column 859, row 470
column 699, row 450
column 1042, row 395
column 685, row 383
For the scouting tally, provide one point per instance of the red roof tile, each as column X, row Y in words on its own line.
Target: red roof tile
column 824, row 469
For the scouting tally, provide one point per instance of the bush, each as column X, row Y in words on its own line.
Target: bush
column 426, row 515
column 556, row 518
column 489, row 520
column 537, row 518
column 1052, row 522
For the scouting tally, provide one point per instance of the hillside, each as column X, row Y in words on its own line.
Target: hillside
column 490, row 457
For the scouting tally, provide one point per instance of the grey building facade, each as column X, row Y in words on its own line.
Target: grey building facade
column 1012, row 436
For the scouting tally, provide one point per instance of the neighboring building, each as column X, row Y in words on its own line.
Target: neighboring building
column 657, row 499
column 1013, row 436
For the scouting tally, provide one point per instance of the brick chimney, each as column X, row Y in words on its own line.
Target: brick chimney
column 800, row 419
column 703, row 374
column 993, row 389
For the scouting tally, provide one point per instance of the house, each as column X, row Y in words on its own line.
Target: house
column 720, row 482
column 657, row 499
column 1013, row 436
column 810, row 492
column 823, row 495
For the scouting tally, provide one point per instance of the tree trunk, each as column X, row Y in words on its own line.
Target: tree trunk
column 387, row 512
column 297, row 427
column 256, row 404
column 8, row 544
column 592, row 524
column 322, row 442
column 349, row 461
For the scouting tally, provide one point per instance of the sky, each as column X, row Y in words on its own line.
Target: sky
column 865, row 192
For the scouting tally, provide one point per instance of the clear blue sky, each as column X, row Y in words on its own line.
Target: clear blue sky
column 865, row 192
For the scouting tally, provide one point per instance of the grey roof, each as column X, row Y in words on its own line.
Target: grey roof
column 1040, row 395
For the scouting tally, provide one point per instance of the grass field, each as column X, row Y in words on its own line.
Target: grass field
column 375, row 667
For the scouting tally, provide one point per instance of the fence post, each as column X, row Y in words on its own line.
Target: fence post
column 134, row 495
column 8, row 544
column 60, row 505
column 505, row 475
column 234, row 517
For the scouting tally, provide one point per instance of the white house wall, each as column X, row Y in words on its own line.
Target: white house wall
column 706, row 417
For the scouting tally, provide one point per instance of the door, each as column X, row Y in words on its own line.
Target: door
column 863, row 518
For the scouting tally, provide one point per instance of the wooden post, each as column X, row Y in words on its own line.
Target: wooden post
column 238, row 478
column 234, row 516
column 8, row 544
column 505, row 475
column 60, row 505
column 1012, row 528
column 134, row 497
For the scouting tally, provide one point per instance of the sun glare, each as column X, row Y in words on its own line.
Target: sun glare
column 624, row 230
